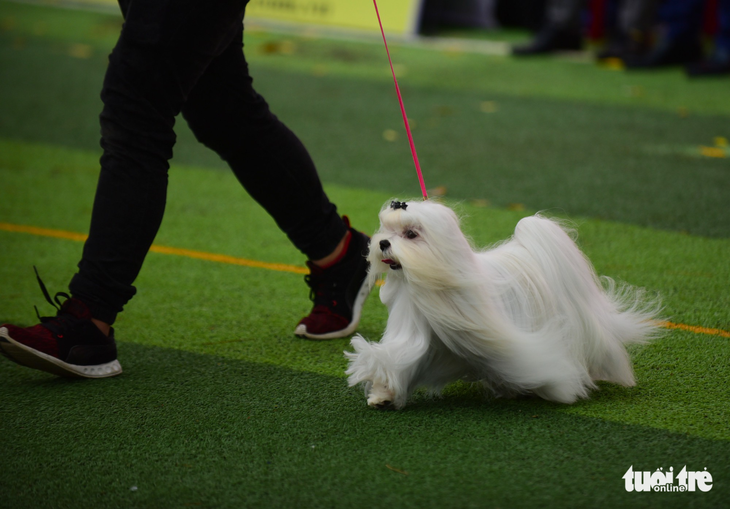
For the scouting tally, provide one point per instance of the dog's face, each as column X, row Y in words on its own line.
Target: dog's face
column 420, row 240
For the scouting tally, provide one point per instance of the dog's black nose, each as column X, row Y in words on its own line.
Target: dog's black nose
column 384, row 244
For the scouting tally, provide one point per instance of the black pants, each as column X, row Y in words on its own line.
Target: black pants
column 187, row 56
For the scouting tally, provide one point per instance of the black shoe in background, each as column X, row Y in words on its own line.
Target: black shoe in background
column 625, row 47
column 669, row 53
column 550, row 39
column 717, row 65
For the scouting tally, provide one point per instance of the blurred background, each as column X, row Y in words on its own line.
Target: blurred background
column 508, row 109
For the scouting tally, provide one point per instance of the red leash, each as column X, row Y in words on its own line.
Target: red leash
column 402, row 108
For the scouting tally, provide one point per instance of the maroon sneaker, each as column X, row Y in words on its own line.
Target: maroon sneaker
column 69, row 344
column 338, row 292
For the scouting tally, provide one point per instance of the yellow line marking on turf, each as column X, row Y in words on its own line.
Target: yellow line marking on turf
column 281, row 267
column 212, row 257
column 43, row 232
column 696, row 329
column 397, row 470
column 200, row 255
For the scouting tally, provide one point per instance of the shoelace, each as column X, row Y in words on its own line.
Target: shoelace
column 321, row 289
column 61, row 321
column 328, row 287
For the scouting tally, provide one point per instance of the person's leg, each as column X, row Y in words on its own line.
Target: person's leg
column 631, row 36
column 679, row 39
column 722, row 38
column 682, row 18
column 721, row 51
column 164, row 48
column 718, row 62
column 637, row 15
column 230, row 117
column 564, row 14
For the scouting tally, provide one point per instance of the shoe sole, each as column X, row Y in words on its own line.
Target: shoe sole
column 28, row 357
column 365, row 290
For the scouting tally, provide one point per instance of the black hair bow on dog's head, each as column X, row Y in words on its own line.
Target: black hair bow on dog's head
column 395, row 205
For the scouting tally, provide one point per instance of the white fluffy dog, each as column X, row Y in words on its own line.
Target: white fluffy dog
column 529, row 316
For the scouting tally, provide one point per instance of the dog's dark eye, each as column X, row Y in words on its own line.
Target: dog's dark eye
column 411, row 234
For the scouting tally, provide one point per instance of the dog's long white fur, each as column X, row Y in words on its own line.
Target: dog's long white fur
column 527, row 316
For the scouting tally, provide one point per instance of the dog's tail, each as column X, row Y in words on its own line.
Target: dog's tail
column 610, row 315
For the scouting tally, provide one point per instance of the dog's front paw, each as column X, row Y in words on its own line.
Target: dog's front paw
column 381, row 397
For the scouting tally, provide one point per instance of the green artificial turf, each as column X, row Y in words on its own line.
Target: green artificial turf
column 221, row 406
column 192, row 430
